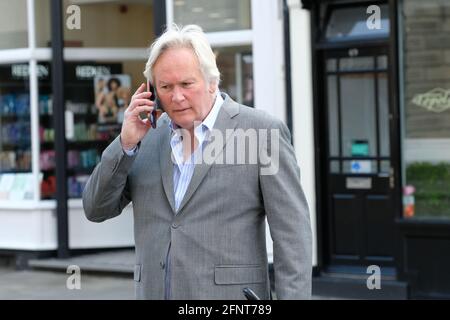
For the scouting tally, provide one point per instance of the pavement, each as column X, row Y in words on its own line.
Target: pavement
column 52, row 285
column 119, row 262
column 103, row 276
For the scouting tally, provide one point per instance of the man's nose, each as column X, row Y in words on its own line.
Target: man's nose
column 177, row 95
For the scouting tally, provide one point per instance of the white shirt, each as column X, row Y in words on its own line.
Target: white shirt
column 184, row 170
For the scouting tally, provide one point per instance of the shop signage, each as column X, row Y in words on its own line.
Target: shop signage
column 22, row 71
column 436, row 100
column 90, row 71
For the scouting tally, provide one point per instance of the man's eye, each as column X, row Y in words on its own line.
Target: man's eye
column 186, row 84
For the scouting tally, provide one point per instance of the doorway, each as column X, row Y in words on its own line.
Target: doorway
column 358, row 170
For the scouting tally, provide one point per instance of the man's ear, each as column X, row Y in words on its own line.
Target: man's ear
column 212, row 87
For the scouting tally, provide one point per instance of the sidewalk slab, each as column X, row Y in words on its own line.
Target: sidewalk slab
column 121, row 261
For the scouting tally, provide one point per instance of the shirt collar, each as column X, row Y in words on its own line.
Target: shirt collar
column 211, row 118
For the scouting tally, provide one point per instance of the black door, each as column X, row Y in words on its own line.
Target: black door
column 359, row 174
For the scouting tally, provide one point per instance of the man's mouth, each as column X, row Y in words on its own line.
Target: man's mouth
column 181, row 110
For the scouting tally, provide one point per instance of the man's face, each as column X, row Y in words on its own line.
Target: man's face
column 181, row 88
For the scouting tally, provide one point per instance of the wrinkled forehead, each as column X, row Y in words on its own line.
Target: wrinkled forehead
column 177, row 62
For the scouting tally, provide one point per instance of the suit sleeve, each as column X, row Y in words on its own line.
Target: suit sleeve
column 288, row 216
column 106, row 192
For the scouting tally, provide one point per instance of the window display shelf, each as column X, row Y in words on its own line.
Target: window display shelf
column 15, row 171
column 88, row 129
column 27, row 205
column 87, row 135
column 15, row 131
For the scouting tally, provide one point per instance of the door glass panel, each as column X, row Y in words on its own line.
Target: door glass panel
column 331, row 65
column 356, row 64
column 385, row 166
column 352, row 23
column 382, row 62
column 383, row 114
column 333, row 116
column 358, row 115
column 334, row 166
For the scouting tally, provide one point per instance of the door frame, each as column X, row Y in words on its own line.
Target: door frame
column 318, row 48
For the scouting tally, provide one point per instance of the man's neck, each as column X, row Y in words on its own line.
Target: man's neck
column 192, row 139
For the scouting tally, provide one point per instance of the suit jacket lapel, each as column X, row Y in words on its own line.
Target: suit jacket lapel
column 224, row 121
column 166, row 164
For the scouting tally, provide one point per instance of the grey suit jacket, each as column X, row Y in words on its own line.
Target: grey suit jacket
column 217, row 238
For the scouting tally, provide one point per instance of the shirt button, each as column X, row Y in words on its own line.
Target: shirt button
column 162, row 264
column 175, row 225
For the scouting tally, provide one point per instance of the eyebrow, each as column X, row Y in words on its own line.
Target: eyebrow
column 161, row 82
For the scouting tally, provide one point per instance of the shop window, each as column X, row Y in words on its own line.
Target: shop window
column 16, row 132
column 213, row 15
column 13, row 24
column 236, row 67
column 426, row 106
column 15, row 143
column 47, row 155
column 42, row 10
column 350, row 23
column 107, row 24
column 97, row 94
column 110, row 24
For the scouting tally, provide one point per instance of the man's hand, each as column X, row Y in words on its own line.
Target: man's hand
column 133, row 127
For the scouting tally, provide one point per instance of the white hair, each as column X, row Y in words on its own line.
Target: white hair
column 191, row 37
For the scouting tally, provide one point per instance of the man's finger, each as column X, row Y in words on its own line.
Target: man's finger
column 146, row 122
column 140, row 89
column 143, row 102
column 138, row 110
column 139, row 102
column 143, row 95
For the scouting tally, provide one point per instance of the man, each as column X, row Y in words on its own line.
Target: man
column 199, row 216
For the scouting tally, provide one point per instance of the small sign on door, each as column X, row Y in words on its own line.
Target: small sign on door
column 360, row 148
column 358, row 183
column 361, row 166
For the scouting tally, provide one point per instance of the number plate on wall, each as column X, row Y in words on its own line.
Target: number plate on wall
column 358, row 183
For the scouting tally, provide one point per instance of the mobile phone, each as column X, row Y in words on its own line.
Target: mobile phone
column 153, row 115
column 250, row 294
